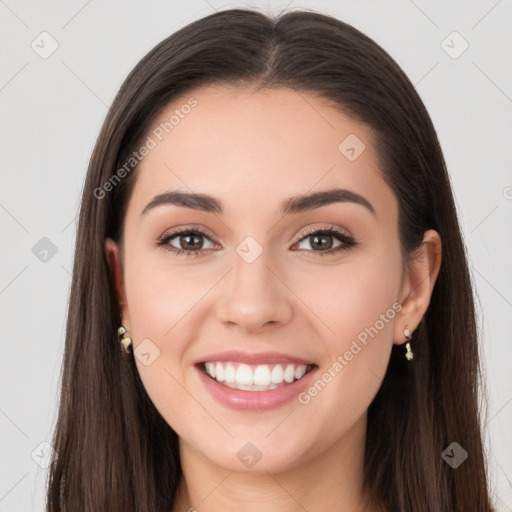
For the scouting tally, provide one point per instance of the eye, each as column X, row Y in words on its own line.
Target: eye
column 188, row 238
column 322, row 241
column 189, row 241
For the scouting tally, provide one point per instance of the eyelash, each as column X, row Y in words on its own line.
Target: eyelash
column 347, row 241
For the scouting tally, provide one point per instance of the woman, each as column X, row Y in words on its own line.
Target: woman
column 271, row 307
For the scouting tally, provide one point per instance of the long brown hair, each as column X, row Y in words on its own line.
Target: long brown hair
column 115, row 452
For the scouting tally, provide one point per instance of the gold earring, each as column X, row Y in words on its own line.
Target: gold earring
column 408, row 354
column 125, row 341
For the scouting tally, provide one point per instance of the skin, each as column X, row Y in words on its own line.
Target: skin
column 253, row 151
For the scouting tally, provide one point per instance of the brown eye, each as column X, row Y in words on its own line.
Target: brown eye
column 186, row 241
column 321, row 241
column 326, row 241
column 190, row 242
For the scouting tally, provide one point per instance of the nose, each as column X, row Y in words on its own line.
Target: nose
column 254, row 296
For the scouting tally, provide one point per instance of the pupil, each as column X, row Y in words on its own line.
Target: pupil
column 322, row 237
column 187, row 238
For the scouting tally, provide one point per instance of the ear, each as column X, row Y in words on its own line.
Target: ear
column 419, row 281
column 114, row 259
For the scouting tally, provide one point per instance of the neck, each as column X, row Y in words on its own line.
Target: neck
column 332, row 480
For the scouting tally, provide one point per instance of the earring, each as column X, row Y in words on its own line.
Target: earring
column 125, row 341
column 408, row 354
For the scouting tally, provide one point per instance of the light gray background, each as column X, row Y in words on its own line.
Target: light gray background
column 52, row 110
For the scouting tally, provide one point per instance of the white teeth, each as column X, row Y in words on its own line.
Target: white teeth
column 289, row 373
column 244, row 375
column 300, row 371
column 254, row 378
column 219, row 370
column 234, row 385
column 277, row 375
column 229, row 374
column 262, row 375
column 210, row 368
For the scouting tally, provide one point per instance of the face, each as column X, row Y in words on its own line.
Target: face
column 259, row 286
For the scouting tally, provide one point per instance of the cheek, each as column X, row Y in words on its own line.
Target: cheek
column 365, row 304
column 360, row 308
column 351, row 298
column 158, row 301
column 159, row 295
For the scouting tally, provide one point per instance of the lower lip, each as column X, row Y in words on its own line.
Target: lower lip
column 255, row 400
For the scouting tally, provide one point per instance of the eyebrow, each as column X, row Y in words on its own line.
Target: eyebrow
column 293, row 205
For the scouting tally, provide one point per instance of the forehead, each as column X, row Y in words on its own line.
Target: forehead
column 244, row 146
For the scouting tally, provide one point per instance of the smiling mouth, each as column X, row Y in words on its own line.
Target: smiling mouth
column 262, row 377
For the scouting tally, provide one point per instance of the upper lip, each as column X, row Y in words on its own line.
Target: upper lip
column 253, row 357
